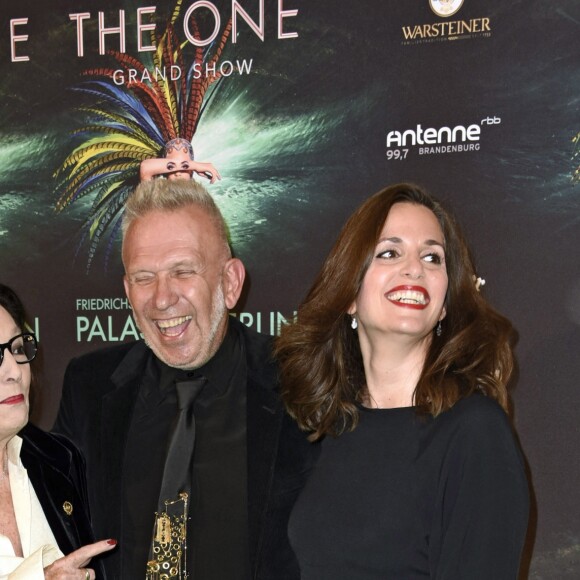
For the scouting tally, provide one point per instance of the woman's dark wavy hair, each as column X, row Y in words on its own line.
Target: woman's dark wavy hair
column 12, row 304
column 322, row 372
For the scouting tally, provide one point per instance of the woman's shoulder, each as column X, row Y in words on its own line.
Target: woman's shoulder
column 53, row 448
column 477, row 407
column 477, row 421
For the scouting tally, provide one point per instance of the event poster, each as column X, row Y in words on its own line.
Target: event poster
column 306, row 108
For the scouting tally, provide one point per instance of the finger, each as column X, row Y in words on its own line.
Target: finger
column 214, row 172
column 82, row 556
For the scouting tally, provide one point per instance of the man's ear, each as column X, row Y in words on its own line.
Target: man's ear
column 233, row 281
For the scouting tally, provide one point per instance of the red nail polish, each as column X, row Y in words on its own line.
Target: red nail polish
column 112, row 542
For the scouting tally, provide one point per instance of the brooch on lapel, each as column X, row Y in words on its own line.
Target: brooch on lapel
column 67, row 507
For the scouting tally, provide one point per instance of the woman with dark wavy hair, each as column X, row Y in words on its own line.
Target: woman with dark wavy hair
column 399, row 366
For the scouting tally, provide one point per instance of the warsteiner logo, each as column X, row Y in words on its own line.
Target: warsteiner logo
column 445, row 7
column 447, row 29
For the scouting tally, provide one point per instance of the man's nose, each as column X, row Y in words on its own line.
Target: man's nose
column 165, row 294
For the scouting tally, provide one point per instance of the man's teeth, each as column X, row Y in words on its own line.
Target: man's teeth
column 408, row 297
column 165, row 325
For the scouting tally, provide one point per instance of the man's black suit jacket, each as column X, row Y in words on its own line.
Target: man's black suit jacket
column 99, row 392
column 57, row 472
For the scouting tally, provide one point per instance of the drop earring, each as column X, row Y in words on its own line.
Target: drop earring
column 354, row 323
column 438, row 329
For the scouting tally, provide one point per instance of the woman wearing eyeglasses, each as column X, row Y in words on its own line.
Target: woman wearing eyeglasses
column 43, row 513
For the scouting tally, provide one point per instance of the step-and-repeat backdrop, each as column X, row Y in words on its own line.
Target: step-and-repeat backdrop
column 307, row 107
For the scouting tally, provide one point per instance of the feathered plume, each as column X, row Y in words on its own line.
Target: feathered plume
column 132, row 122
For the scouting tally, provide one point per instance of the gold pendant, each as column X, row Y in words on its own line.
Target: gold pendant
column 163, row 535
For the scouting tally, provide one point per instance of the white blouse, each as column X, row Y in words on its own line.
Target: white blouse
column 38, row 543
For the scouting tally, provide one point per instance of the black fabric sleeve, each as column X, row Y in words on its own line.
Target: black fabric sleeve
column 483, row 500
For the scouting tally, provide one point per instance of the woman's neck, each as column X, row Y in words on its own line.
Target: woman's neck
column 3, row 459
column 8, row 523
column 392, row 371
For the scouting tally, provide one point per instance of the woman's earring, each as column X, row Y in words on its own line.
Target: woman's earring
column 353, row 322
column 438, row 329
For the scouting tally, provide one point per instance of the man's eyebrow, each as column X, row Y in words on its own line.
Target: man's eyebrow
column 139, row 271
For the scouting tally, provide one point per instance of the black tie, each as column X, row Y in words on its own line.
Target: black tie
column 177, row 471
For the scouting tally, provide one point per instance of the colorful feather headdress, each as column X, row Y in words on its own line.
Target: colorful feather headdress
column 132, row 122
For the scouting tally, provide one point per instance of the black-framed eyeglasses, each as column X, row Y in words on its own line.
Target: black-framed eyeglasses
column 23, row 348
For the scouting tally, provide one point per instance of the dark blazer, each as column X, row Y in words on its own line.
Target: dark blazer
column 99, row 393
column 56, row 470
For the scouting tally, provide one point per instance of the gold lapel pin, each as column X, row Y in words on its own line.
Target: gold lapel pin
column 67, row 507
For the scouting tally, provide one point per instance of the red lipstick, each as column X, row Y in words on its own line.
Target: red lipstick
column 14, row 400
column 406, row 296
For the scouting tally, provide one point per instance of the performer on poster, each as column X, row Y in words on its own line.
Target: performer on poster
column 177, row 163
column 140, row 129
column 43, row 510
column 400, row 366
column 190, row 418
